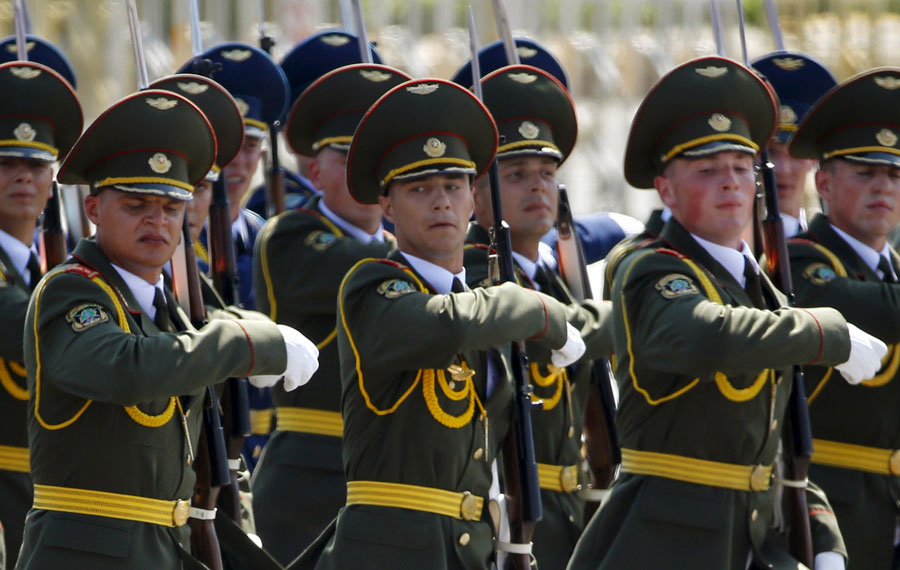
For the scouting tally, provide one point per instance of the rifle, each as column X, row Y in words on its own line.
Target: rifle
column 798, row 445
column 223, row 264
column 210, row 463
column 275, row 192
column 522, row 489
column 600, row 434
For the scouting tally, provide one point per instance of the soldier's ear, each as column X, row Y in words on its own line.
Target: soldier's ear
column 387, row 209
column 91, row 206
column 665, row 190
column 823, row 183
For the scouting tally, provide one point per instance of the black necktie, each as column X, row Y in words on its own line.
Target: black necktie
column 34, row 270
column 457, row 286
column 885, row 266
column 162, row 319
column 542, row 280
column 753, row 286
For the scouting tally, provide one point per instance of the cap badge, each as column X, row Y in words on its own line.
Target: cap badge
column 422, row 88
column 789, row 63
column 162, row 103
column 888, row 82
column 524, row 78
column 529, row 130
column 711, row 71
column 434, row 147
column 525, row 52
column 193, row 87
column 886, row 137
column 13, row 48
column 24, row 132
column 787, row 115
column 719, row 122
column 160, row 163
column 242, row 106
column 335, row 40
column 237, row 54
column 25, row 72
column 374, row 75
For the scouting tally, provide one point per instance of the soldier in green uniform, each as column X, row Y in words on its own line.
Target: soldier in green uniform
column 300, row 260
column 844, row 261
column 536, row 120
column 40, row 119
column 113, row 365
column 703, row 341
column 425, row 403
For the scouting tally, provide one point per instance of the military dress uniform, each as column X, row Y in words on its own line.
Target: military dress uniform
column 536, row 117
column 301, row 258
column 41, row 119
column 700, row 360
column 856, row 429
column 126, row 505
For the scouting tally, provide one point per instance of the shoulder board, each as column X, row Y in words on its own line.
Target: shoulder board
column 392, row 263
column 476, row 245
column 671, row 252
column 322, row 218
column 82, row 270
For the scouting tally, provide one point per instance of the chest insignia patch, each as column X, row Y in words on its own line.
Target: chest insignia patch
column 320, row 240
column 819, row 273
column 676, row 285
column 85, row 316
column 394, row 288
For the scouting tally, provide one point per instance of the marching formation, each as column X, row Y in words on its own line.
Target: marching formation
column 393, row 359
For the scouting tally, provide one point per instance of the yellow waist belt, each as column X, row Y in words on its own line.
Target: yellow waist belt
column 308, row 420
column 14, row 459
column 561, row 478
column 465, row 506
column 112, row 505
column 261, row 421
column 858, row 457
column 699, row 471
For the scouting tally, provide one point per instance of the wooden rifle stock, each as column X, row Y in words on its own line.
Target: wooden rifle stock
column 522, row 488
column 798, row 432
column 601, row 436
column 53, row 238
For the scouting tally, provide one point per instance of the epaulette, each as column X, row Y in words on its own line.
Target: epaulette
column 392, row 263
column 671, row 252
column 82, row 270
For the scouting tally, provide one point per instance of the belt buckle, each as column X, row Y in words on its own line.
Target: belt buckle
column 181, row 512
column 568, row 478
column 759, row 478
column 894, row 462
column 468, row 508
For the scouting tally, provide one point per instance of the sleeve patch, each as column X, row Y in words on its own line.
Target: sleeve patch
column 394, row 288
column 85, row 316
column 675, row 285
column 320, row 240
column 819, row 273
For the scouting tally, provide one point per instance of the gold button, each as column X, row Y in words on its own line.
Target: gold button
column 774, row 425
column 181, row 512
column 568, row 478
column 470, row 508
column 478, row 453
column 571, row 432
column 895, row 462
column 464, row 539
column 754, row 515
column 188, row 460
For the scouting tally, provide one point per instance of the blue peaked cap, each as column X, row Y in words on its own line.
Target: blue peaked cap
column 39, row 51
column 492, row 57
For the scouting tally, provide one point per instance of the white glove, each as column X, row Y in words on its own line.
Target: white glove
column 302, row 362
column 571, row 351
column 866, row 353
column 829, row 561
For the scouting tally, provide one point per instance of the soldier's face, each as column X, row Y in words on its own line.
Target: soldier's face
column 431, row 217
column 197, row 210
column 712, row 197
column 24, row 189
column 137, row 232
column 328, row 173
column 529, row 195
column 239, row 172
column 790, row 178
column 861, row 199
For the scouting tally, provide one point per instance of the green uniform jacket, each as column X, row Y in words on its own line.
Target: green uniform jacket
column 405, row 419
column 866, row 503
column 298, row 485
column 557, row 428
column 15, row 482
column 103, row 417
column 671, row 341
